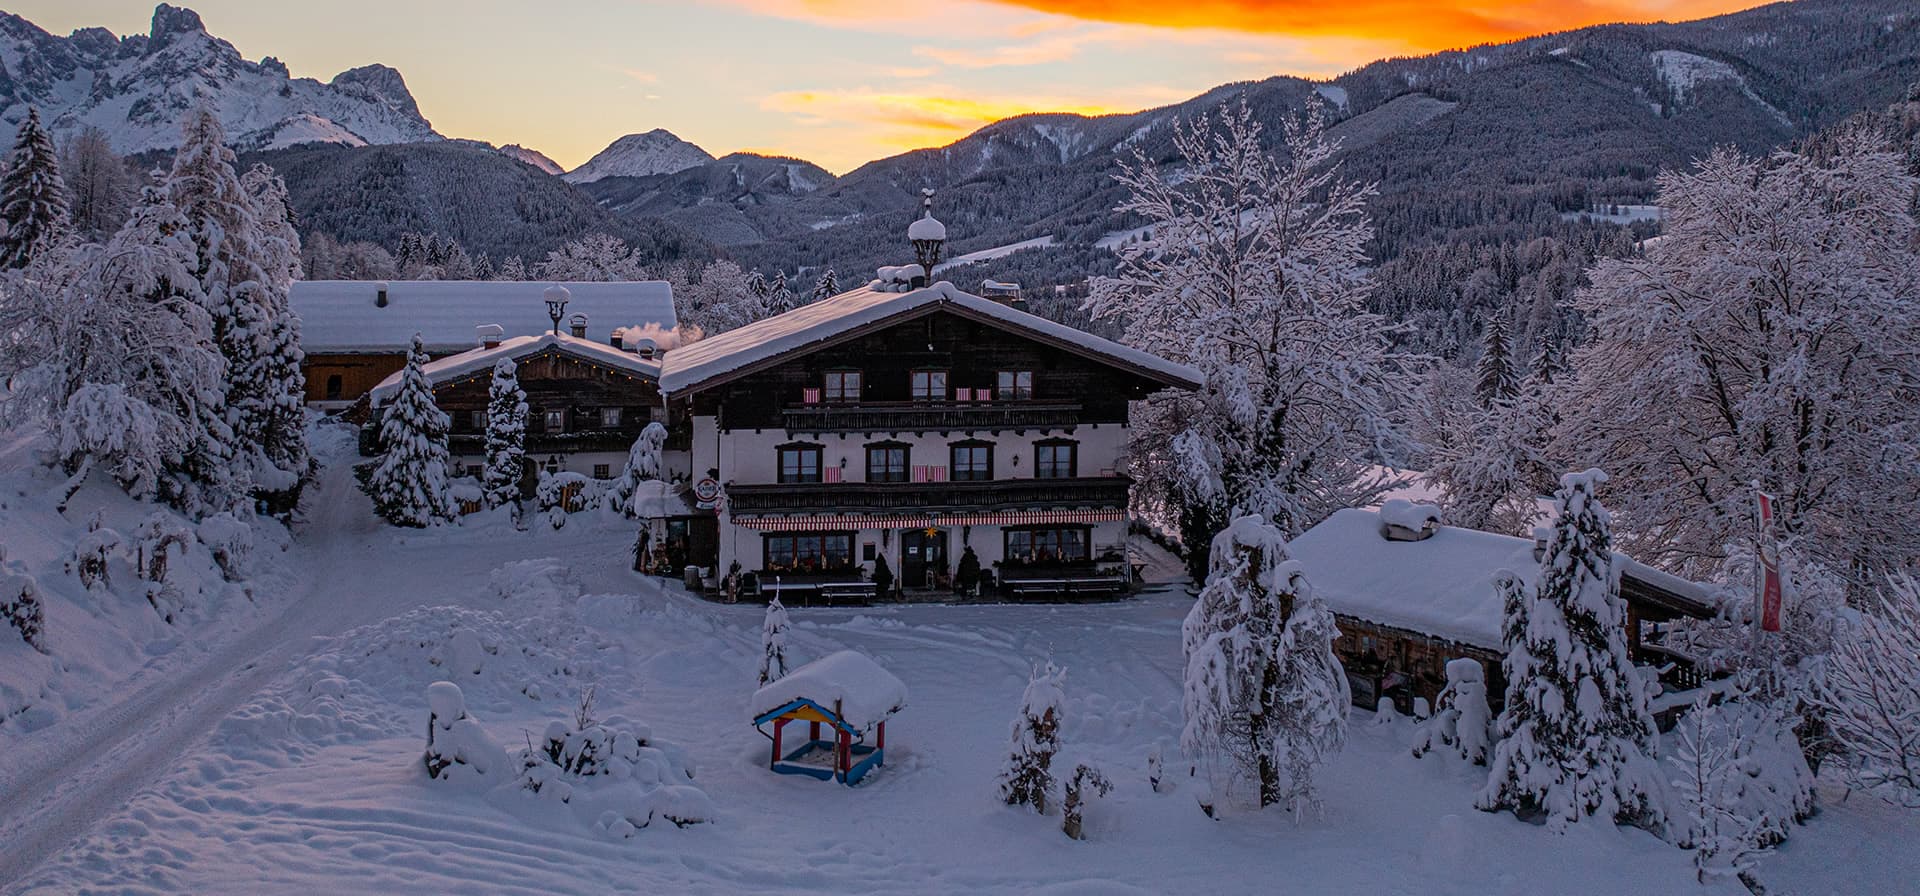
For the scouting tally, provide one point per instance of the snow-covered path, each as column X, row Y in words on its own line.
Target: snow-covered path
column 63, row 780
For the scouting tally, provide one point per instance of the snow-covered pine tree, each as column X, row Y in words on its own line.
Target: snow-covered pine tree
column 1495, row 379
column 826, row 287
column 33, row 198
column 773, row 643
column 280, row 383
column 1264, row 693
column 512, row 269
column 1767, row 337
column 506, row 435
column 1247, row 255
column 409, row 483
column 643, row 464
column 1461, row 722
column 1576, row 730
column 1547, row 364
column 780, row 299
column 482, row 267
column 1028, row 778
column 1871, row 693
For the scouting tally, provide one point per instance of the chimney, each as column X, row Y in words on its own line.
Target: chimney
column 490, row 335
column 578, row 325
column 380, row 298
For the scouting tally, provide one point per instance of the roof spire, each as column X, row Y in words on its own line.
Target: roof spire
column 928, row 236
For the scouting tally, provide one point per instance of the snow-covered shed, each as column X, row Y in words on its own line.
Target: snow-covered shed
column 847, row 692
column 1411, row 594
column 356, row 332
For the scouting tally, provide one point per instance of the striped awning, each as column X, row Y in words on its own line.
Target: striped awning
column 841, row 522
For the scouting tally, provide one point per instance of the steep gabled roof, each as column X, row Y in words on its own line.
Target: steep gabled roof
column 738, row 352
column 519, row 348
column 345, row 316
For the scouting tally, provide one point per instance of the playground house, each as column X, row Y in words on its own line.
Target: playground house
column 844, row 695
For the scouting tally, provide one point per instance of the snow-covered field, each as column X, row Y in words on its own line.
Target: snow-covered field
column 285, row 754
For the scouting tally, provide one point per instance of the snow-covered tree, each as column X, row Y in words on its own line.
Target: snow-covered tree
column 281, row 385
column 779, row 299
column 643, row 464
column 1576, row 731
column 506, row 435
column 595, row 257
column 1495, row 379
column 1264, row 693
column 1027, row 779
column 826, row 287
column 1766, row 338
column 1086, row 783
column 773, row 642
column 33, row 197
column 1871, row 694
column 512, row 269
column 101, row 186
column 1256, row 274
column 718, row 300
column 409, row 483
column 1490, row 468
column 1713, row 761
column 110, row 349
column 1461, row 723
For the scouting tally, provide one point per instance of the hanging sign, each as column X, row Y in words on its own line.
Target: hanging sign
column 706, row 493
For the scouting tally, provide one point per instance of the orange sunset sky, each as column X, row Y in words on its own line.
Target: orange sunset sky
column 837, row 82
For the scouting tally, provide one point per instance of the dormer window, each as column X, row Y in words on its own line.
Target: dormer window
column 1016, row 385
column 929, row 385
column 842, row 385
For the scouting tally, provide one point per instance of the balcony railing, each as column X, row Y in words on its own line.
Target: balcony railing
column 541, row 442
column 920, row 416
column 1102, row 492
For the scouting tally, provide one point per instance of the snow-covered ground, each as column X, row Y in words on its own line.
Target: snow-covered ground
column 285, row 755
column 1038, row 242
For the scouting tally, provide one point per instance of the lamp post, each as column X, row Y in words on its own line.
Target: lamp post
column 556, row 297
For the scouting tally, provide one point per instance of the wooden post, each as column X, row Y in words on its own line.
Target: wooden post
column 813, row 731
column 880, row 737
column 777, row 725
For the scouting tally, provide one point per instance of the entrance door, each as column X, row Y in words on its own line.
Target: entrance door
column 923, row 555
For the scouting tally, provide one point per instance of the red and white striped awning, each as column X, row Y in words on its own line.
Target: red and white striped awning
column 843, row 522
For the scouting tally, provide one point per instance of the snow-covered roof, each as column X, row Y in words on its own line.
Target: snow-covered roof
column 341, row 316
column 865, row 693
column 1441, row 585
column 701, row 363
column 480, row 360
column 926, row 228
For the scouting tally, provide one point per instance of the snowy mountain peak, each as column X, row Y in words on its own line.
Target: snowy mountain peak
column 637, row 155
column 533, row 157
column 138, row 88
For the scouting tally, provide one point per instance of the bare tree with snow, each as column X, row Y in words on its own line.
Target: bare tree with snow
column 1871, row 692
column 1255, row 273
column 593, row 258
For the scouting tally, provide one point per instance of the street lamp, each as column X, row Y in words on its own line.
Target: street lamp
column 556, row 297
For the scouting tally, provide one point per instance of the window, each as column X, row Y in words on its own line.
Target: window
column 843, row 385
column 1057, row 459
column 972, row 461
column 334, row 386
column 602, row 471
column 556, row 421
column 809, row 551
column 1061, row 545
column 477, row 419
column 800, row 463
column 929, row 385
column 609, row 418
column 887, row 462
column 656, row 413
column 1016, row 385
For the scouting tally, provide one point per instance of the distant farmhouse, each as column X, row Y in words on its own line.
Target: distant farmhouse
column 357, row 332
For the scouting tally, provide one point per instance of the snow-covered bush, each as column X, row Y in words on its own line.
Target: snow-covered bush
column 643, row 464
column 773, row 642
column 1716, row 765
column 458, row 749
column 1871, row 694
column 1463, row 722
column 153, row 542
column 230, row 540
column 541, row 580
column 614, row 770
column 1264, row 695
column 20, row 607
column 565, row 492
column 1087, row 782
column 1028, row 777
column 1576, row 731
column 91, row 552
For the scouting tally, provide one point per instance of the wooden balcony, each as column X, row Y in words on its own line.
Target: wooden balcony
column 1086, row 493
column 620, row 440
column 930, row 416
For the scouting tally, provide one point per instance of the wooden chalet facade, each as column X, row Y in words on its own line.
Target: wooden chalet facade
column 1407, row 605
column 587, row 403
column 914, row 426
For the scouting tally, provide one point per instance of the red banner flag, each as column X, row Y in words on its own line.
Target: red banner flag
column 1769, row 567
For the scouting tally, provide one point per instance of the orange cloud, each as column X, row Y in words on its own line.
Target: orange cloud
column 1419, row 24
